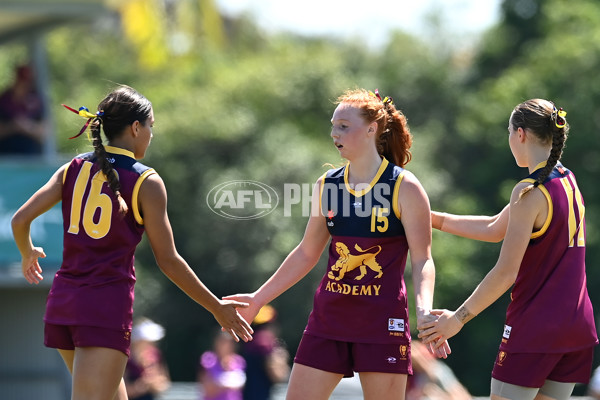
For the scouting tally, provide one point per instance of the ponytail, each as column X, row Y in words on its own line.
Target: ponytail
column 106, row 165
column 393, row 137
column 548, row 124
column 119, row 109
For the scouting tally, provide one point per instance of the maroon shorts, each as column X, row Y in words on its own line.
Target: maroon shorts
column 66, row 337
column 532, row 369
column 346, row 357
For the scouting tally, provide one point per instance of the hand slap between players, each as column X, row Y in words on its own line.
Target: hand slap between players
column 436, row 332
column 443, row 349
column 232, row 322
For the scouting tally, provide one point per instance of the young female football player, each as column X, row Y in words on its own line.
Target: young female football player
column 108, row 200
column 372, row 212
column 549, row 333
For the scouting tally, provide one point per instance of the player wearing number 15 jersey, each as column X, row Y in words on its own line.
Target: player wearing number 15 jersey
column 372, row 213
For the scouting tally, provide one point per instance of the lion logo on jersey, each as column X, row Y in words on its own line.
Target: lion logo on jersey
column 349, row 262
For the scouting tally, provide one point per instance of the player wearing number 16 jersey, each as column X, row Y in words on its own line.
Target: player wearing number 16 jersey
column 94, row 286
column 108, row 200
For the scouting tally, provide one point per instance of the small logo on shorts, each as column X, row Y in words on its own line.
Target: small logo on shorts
column 391, row 360
column 396, row 324
column 501, row 357
column 507, row 329
column 127, row 336
column 403, row 351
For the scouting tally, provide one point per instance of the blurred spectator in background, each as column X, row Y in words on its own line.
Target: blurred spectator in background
column 432, row 379
column 22, row 125
column 222, row 371
column 146, row 374
column 266, row 357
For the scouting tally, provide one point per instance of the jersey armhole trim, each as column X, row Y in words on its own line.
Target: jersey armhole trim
column 64, row 177
column 544, row 227
column 134, row 195
column 322, row 179
column 395, row 196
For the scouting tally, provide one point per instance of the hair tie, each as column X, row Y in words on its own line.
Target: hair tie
column 85, row 113
column 559, row 117
column 385, row 100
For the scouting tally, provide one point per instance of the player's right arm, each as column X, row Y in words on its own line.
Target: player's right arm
column 41, row 201
column 296, row 265
column 153, row 206
column 478, row 227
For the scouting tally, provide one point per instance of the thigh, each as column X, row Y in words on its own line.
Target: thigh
column 311, row 383
column 378, row 385
column 67, row 356
column 97, row 372
column 507, row 391
column 553, row 390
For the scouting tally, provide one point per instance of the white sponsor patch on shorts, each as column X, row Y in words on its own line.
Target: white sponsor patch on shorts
column 396, row 324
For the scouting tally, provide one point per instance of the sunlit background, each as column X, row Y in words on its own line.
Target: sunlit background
column 244, row 90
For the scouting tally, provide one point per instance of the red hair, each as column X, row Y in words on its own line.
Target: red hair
column 393, row 138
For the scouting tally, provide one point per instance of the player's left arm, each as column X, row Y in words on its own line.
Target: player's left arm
column 415, row 214
column 523, row 213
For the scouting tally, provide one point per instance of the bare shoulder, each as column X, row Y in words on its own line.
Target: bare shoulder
column 411, row 186
column 153, row 184
column 527, row 204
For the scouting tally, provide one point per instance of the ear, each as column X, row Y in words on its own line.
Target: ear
column 522, row 134
column 372, row 128
column 135, row 128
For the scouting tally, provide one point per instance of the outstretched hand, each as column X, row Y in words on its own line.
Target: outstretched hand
column 443, row 349
column 436, row 332
column 231, row 321
column 31, row 266
column 252, row 307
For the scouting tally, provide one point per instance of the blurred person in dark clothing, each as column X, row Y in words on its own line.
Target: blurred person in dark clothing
column 22, row 123
column 266, row 357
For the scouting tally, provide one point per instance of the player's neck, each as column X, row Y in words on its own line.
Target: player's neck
column 363, row 169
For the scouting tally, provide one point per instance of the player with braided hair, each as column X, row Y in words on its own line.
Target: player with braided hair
column 549, row 334
column 109, row 200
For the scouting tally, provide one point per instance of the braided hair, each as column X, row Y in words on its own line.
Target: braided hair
column 541, row 118
column 120, row 108
column 393, row 137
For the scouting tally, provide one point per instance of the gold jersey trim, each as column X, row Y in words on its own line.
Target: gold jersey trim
column 134, row 195
column 395, row 206
column 382, row 167
column 544, row 227
column 118, row 150
column 322, row 180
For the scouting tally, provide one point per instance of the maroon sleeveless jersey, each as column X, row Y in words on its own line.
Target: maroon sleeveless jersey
column 94, row 285
column 362, row 296
column 550, row 310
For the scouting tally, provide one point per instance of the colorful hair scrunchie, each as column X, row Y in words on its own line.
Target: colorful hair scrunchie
column 385, row 100
column 85, row 113
column 559, row 117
